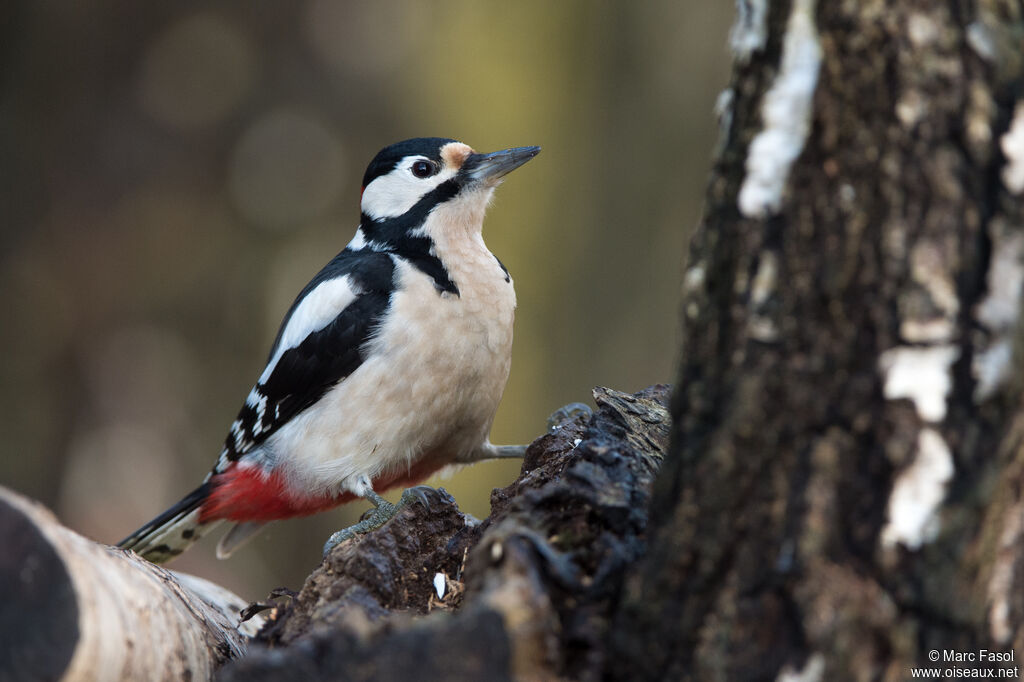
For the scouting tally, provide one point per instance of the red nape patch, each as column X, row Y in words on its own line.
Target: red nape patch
column 246, row 494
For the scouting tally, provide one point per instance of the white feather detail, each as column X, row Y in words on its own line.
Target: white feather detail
column 358, row 242
column 317, row 310
column 239, row 535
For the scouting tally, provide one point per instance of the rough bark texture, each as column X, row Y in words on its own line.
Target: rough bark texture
column 529, row 593
column 843, row 493
column 77, row 610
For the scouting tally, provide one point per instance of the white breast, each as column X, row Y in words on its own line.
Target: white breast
column 431, row 383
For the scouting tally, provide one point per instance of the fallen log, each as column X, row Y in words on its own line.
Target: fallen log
column 75, row 609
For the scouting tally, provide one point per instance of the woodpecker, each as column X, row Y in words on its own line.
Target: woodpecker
column 389, row 365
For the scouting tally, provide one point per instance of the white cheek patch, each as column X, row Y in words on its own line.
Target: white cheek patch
column 393, row 194
column 316, row 311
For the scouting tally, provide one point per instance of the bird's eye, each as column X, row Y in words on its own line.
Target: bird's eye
column 424, row 169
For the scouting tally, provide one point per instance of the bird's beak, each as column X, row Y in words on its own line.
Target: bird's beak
column 489, row 168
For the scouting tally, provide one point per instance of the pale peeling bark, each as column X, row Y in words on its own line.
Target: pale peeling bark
column 845, row 487
column 79, row 610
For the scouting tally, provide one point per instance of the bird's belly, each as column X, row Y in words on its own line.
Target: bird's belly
column 426, row 393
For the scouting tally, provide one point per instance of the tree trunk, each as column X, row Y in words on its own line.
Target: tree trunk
column 844, row 493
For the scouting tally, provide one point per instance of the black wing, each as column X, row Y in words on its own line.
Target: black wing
column 304, row 372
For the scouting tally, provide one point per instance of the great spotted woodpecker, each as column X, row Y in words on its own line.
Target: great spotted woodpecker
column 388, row 366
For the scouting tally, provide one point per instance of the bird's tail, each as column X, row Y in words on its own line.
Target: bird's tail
column 174, row 531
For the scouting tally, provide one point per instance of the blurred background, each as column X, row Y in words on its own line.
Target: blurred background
column 171, row 174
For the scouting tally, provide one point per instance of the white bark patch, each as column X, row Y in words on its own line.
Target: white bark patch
column 693, row 279
column 930, row 269
column 999, row 309
column 813, row 671
column 926, row 331
column 920, row 374
column 922, row 29
column 998, row 312
column 750, row 32
column 991, row 368
column 1012, row 144
column 786, row 111
column 911, row 108
column 1000, row 584
column 723, row 114
column 918, row 493
column 981, row 40
column 761, row 327
column 765, row 279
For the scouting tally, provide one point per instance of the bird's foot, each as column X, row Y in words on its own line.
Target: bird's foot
column 508, row 452
column 382, row 512
column 418, row 494
column 567, row 413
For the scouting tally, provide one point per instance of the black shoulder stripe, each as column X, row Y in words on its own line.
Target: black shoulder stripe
column 398, row 235
column 431, row 265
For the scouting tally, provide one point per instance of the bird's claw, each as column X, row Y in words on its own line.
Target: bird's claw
column 566, row 413
column 382, row 512
column 419, row 494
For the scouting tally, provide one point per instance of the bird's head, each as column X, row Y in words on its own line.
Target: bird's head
column 409, row 182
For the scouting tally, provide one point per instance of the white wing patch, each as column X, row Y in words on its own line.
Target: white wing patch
column 238, row 435
column 258, row 401
column 394, row 193
column 317, row 310
column 360, row 242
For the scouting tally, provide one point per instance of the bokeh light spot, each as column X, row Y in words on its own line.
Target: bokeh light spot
column 196, row 73
column 367, row 39
column 286, row 169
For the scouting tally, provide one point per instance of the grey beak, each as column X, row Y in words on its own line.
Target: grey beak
column 489, row 168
